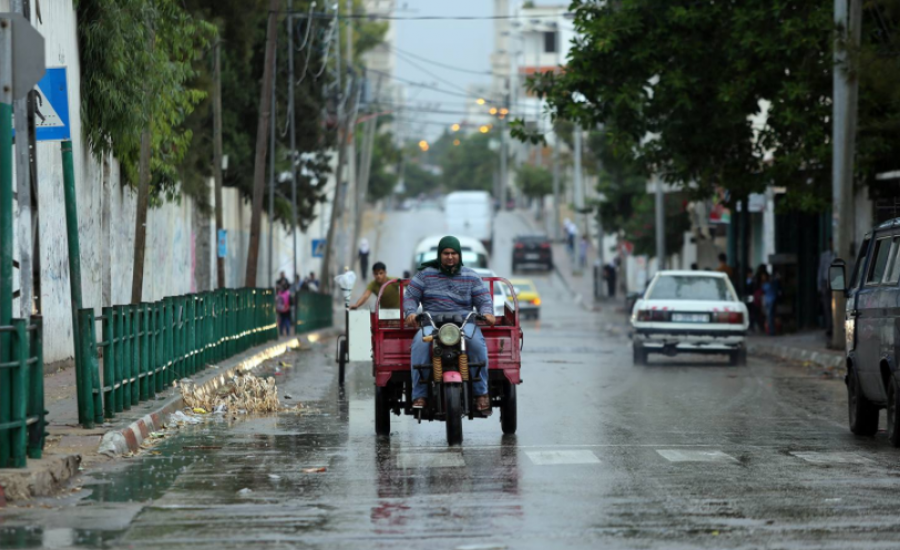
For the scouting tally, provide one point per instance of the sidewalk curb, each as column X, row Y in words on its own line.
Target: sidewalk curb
column 823, row 359
column 576, row 296
column 120, row 441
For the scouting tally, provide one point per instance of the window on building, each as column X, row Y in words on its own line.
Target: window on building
column 549, row 42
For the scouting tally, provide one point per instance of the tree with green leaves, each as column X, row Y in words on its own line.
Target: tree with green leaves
column 469, row 166
column 716, row 94
column 534, row 181
column 137, row 57
column 137, row 62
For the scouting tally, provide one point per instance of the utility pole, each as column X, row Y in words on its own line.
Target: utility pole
column 217, row 159
column 556, row 184
column 504, row 154
column 325, row 278
column 846, row 88
column 350, row 157
column 259, row 165
column 21, row 108
column 293, row 153
column 270, row 279
column 660, row 226
column 579, row 195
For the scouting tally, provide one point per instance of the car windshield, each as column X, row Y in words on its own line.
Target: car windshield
column 469, row 258
column 523, row 287
column 690, row 287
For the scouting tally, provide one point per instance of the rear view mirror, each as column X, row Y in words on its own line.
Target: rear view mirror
column 837, row 276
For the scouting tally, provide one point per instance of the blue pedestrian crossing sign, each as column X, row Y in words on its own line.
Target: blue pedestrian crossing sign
column 318, row 248
column 51, row 107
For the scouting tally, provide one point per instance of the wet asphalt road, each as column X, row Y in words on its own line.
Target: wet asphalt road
column 684, row 453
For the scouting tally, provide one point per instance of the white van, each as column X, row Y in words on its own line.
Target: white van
column 470, row 214
column 473, row 252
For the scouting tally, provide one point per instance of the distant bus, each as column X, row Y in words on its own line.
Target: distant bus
column 471, row 214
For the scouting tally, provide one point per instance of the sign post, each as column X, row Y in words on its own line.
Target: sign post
column 318, row 248
column 21, row 66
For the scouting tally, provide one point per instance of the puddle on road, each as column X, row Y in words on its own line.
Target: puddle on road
column 67, row 537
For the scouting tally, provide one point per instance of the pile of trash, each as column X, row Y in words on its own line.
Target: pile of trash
column 244, row 392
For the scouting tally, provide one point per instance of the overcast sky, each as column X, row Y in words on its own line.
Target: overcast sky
column 457, row 43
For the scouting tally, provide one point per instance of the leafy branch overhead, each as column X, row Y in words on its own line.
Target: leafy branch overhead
column 718, row 94
column 137, row 61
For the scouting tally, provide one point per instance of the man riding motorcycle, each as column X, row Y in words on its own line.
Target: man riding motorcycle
column 444, row 286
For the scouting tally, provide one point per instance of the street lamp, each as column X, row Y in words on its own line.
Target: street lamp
column 423, row 145
column 455, row 127
column 480, row 101
column 484, row 129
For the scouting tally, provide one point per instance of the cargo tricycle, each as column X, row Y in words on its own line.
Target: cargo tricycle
column 450, row 396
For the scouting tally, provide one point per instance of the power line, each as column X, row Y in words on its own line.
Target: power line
column 439, row 64
column 372, row 17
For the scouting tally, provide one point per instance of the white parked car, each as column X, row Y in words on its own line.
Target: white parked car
column 501, row 291
column 690, row 312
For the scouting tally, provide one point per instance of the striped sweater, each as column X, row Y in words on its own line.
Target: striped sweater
column 439, row 293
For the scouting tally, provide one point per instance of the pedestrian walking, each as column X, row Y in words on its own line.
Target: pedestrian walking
column 610, row 274
column 571, row 232
column 311, row 283
column 283, row 307
column 752, row 312
column 725, row 268
column 364, row 258
column 282, row 281
column 771, row 290
column 823, row 285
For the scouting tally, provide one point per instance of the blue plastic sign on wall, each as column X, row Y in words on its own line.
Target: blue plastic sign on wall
column 222, row 244
column 51, row 107
column 318, row 248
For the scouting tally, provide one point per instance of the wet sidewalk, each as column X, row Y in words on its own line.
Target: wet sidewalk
column 807, row 347
column 580, row 281
column 70, row 448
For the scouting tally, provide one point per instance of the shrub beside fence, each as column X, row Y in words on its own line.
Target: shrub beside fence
column 22, row 414
column 314, row 311
column 146, row 347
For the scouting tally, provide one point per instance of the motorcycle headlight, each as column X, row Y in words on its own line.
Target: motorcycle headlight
column 449, row 335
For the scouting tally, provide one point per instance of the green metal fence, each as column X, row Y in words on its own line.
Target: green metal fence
column 22, row 411
column 314, row 311
column 146, row 347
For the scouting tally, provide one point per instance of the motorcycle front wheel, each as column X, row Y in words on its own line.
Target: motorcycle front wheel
column 453, row 406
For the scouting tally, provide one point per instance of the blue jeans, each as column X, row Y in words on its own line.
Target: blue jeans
column 284, row 324
column 770, row 313
column 421, row 355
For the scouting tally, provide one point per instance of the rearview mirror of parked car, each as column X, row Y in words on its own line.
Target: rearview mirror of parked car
column 837, row 276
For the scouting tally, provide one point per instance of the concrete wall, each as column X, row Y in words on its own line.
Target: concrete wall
column 106, row 221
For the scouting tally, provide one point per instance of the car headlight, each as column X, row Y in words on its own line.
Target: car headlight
column 449, row 335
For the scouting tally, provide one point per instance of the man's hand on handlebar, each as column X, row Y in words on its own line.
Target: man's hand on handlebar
column 411, row 320
column 491, row 320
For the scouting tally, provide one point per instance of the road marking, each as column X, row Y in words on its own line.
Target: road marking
column 675, row 455
column 430, row 460
column 554, row 458
column 832, row 458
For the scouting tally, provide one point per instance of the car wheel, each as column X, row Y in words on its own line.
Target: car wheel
column 639, row 355
column 739, row 357
column 893, row 411
column 863, row 413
